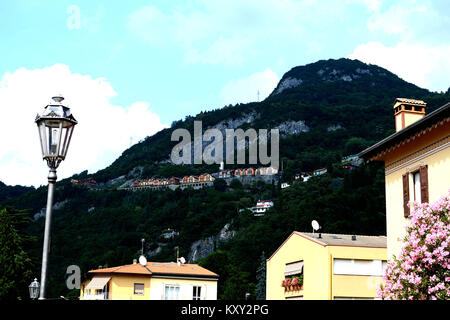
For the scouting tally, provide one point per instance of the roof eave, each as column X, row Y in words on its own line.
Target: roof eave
column 405, row 132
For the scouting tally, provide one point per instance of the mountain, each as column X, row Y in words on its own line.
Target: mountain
column 351, row 82
column 324, row 111
column 8, row 192
column 323, row 96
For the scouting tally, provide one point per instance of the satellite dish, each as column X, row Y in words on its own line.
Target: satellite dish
column 182, row 260
column 315, row 225
column 142, row 261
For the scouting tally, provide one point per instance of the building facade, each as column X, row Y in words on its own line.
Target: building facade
column 326, row 267
column 417, row 163
column 153, row 281
column 261, row 207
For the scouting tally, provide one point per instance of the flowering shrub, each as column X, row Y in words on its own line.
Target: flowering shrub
column 422, row 269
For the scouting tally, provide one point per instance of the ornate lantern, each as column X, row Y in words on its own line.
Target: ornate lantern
column 34, row 289
column 55, row 125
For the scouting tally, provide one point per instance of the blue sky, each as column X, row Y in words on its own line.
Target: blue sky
column 148, row 63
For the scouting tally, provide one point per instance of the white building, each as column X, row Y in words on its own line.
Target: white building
column 284, row 185
column 261, row 207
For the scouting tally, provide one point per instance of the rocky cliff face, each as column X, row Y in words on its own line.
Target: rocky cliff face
column 56, row 206
column 204, row 247
column 292, row 127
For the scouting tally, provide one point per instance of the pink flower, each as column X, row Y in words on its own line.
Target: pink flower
column 422, row 269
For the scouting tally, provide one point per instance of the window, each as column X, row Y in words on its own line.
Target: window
column 416, row 181
column 419, row 191
column 171, row 292
column 359, row 267
column 196, row 293
column 139, row 289
column 293, row 268
column 293, row 276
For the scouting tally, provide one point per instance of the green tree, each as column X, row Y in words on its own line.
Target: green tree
column 237, row 285
column 261, row 278
column 220, row 184
column 236, row 184
column 355, row 145
column 15, row 264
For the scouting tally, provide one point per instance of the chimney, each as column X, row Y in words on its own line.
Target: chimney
column 407, row 111
column 134, row 261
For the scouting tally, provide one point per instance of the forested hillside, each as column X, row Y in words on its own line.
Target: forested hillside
column 341, row 106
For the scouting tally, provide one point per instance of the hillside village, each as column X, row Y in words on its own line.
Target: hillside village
column 246, row 175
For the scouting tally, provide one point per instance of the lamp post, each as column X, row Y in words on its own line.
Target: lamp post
column 34, row 289
column 55, row 126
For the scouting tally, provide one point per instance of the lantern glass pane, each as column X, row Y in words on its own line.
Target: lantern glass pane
column 53, row 141
column 65, row 141
column 43, row 137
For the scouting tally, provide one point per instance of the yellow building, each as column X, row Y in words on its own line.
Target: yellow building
column 152, row 281
column 417, row 163
column 326, row 267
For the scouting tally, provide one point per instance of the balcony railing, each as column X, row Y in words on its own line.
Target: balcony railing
column 101, row 296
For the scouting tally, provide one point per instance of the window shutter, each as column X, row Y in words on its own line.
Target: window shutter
column 203, row 295
column 405, row 195
column 424, row 183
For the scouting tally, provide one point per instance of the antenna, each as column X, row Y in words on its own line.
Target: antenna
column 315, row 225
column 142, row 246
column 142, row 261
column 178, row 251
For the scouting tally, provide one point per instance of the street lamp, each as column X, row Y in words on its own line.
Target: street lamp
column 55, row 126
column 34, row 289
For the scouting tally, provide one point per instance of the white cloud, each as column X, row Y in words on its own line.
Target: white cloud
column 371, row 5
column 246, row 89
column 230, row 32
column 422, row 21
column 102, row 134
column 397, row 19
column 222, row 51
column 150, row 24
column 420, row 51
column 423, row 65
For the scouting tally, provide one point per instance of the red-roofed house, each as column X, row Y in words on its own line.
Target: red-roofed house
column 152, row 281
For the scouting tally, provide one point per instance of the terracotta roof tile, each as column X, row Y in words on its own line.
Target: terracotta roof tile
column 129, row 268
column 412, row 101
column 173, row 268
column 159, row 268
